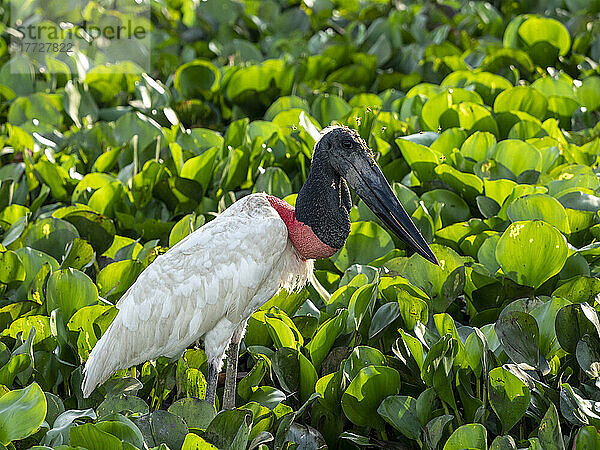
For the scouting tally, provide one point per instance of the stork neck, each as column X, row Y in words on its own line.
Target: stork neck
column 304, row 240
column 324, row 203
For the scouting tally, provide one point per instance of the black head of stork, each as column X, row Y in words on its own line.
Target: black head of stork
column 324, row 201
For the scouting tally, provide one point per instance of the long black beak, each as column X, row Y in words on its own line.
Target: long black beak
column 370, row 184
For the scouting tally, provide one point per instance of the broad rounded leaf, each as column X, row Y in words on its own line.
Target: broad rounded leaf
column 401, row 413
column 230, row 429
column 361, row 357
column 573, row 322
column 522, row 98
column 542, row 207
column 195, row 413
column 197, row 78
column 531, row 252
column 365, row 393
column 518, row 156
column 453, row 208
column 518, row 333
column 541, row 29
column 97, row 229
column 587, row 438
column 509, row 396
column 471, row 436
column 367, row 241
column 22, row 411
column 51, row 236
column 70, row 290
column 90, row 436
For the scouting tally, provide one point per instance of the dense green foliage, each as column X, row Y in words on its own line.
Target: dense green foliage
column 484, row 116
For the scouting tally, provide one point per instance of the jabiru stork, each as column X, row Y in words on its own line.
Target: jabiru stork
column 212, row 281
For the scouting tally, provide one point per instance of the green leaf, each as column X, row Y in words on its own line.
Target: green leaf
column 114, row 280
column 588, row 355
column 549, row 432
column 136, row 124
column 467, row 185
column 504, row 443
column 286, row 103
column 540, row 207
column 518, row 156
column 519, row 335
column 200, row 168
column 282, row 329
column 383, row 317
column 509, row 397
column 123, row 404
column 24, row 326
column 587, row 438
column 522, row 98
column 51, row 236
column 95, row 228
column 421, row 159
column 444, row 324
column 327, row 109
column 476, row 348
column 367, row 241
column 429, row 277
column 121, row 427
column 435, row 429
column 479, row 146
column 79, row 255
column 69, row 290
column 361, row 357
column 437, row 105
column 195, row 442
column 230, row 429
column 437, row 368
column 325, row 336
column 540, row 29
column 531, row 252
column 365, row 393
column 17, row 364
column 86, row 322
column 253, row 378
column 195, row 413
column 90, row 436
column 273, row 181
column 573, row 322
column 11, row 267
column 197, row 79
column 471, row 436
column 59, row 434
column 577, row 409
column 453, row 208
column 162, row 427
column 401, row 413
column 79, row 103
column 545, row 315
column 588, row 93
column 294, row 372
column 22, row 412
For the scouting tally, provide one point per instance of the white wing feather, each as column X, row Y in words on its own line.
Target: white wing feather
column 218, row 275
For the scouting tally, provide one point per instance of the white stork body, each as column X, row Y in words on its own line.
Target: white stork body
column 205, row 286
column 210, row 283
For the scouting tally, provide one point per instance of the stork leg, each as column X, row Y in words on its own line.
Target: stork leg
column 211, row 389
column 231, row 370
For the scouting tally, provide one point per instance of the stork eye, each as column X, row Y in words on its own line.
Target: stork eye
column 347, row 144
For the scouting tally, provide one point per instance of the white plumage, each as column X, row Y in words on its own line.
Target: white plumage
column 205, row 286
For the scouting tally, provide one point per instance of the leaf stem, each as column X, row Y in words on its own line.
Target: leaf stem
column 326, row 296
column 157, row 151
